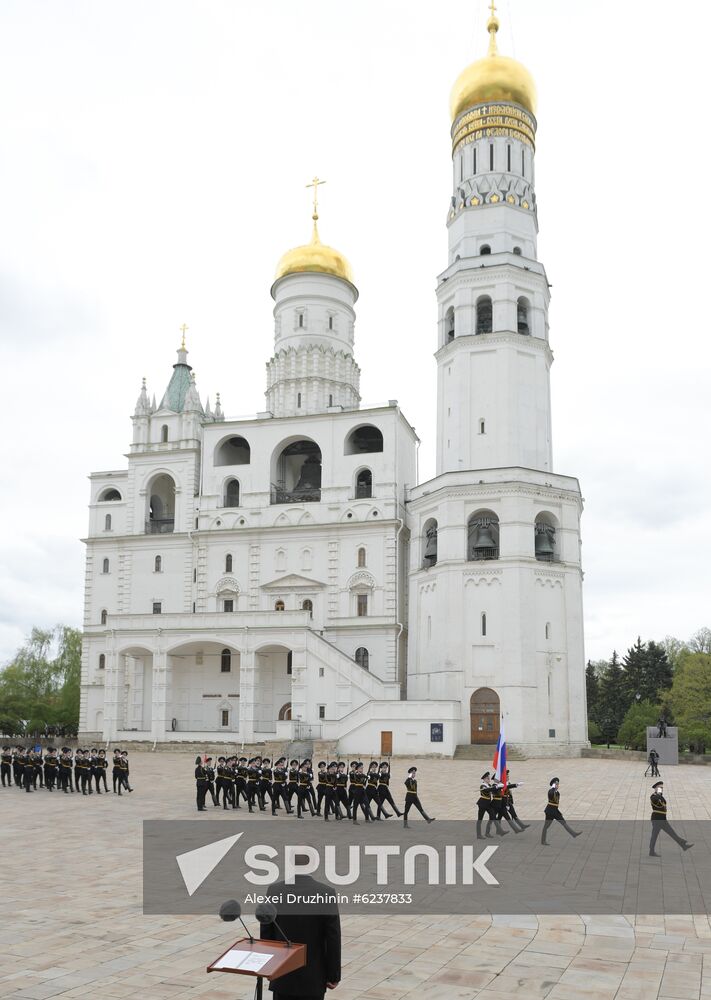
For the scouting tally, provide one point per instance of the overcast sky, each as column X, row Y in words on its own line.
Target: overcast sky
column 153, row 162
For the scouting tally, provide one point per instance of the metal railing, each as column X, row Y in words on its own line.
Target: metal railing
column 363, row 491
column 160, row 525
column 280, row 495
column 306, row 731
column 477, row 555
column 547, row 557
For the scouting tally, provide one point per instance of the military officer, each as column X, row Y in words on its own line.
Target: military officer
column 412, row 798
column 553, row 813
column 660, row 822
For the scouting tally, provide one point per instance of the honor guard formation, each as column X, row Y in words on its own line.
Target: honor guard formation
column 80, row 771
column 235, row 782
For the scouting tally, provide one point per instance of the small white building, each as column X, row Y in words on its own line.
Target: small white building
column 286, row 575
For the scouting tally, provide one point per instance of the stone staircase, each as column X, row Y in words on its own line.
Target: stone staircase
column 485, row 752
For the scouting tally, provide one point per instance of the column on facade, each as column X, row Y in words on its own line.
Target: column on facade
column 111, row 696
column 299, row 688
column 247, row 685
column 160, row 709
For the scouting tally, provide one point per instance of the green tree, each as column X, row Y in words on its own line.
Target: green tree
column 673, row 647
column 700, row 641
column 633, row 731
column 690, row 700
column 39, row 689
column 647, row 671
column 594, row 732
column 592, row 688
column 612, row 704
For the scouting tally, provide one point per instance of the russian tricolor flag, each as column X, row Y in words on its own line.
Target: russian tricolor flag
column 498, row 764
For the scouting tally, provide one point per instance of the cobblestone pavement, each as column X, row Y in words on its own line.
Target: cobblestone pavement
column 73, row 927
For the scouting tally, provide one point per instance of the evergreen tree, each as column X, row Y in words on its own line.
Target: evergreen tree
column 647, row 672
column 612, row 703
column 592, row 688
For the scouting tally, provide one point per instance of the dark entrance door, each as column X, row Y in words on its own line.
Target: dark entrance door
column 485, row 713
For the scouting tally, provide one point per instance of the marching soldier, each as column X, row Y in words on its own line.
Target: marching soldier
column 331, row 796
column 65, row 769
column 341, row 788
column 240, row 785
column 210, row 775
column 6, row 766
column 265, row 783
column 38, row 769
column 78, row 765
column 660, row 822
column 359, row 800
column 101, row 765
column 509, row 805
column 50, row 768
column 28, row 772
column 252, row 783
column 351, row 771
column 303, row 798
column 371, row 791
column 116, row 771
column 18, row 763
column 292, row 787
column 384, row 793
column 220, row 781
column 125, row 771
column 499, row 797
column 553, row 813
column 412, row 798
column 200, row 784
column 321, row 785
column 279, row 787
column 485, row 805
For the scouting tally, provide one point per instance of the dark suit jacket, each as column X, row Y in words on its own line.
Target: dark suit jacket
column 319, row 930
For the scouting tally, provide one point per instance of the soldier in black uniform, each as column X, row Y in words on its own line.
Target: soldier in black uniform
column 412, row 798
column 553, row 812
column 279, row 793
column 50, row 768
column 18, row 763
column 292, row 786
column 303, row 798
column 200, row 784
column 312, row 793
column 65, row 769
column 210, row 775
column 509, row 804
column 660, row 822
column 252, row 783
column 384, row 793
column 341, row 788
column 116, row 771
column 78, row 767
column 240, row 784
column 101, row 765
column 351, row 772
column 371, row 792
column 28, row 772
column 330, row 801
column 321, row 783
column 498, row 797
column 485, row 806
column 6, row 766
column 265, row 783
column 38, row 768
column 220, row 780
column 125, row 771
column 359, row 801
column 93, row 759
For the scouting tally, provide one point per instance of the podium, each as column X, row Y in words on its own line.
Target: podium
column 262, row 959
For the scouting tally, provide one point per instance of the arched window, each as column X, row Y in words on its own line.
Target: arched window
column 158, row 564
column 449, row 325
column 164, row 433
column 482, row 426
column 233, row 451
column 102, row 661
column 308, row 605
column 231, row 493
column 483, row 536
column 107, row 522
column 104, row 616
column 484, row 314
column 548, row 630
column 429, row 542
column 545, row 538
column 300, row 320
column 109, row 494
column 363, row 440
column 105, row 566
column 361, row 558
column 483, row 623
column 161, row 506
column 517, row 251
column 364, row 484
column 362, row 657
column 225, row 661
column 228, row 563
column 522, row 316
column 485, row 250
column 279, row 606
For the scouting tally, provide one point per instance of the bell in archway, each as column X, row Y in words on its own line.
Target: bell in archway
column 484, row 538
column 431, row 545
column 545, row 541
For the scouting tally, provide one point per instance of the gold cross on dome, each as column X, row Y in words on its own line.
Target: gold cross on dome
column 183, row 328
column 315, row 185
column 492, row 8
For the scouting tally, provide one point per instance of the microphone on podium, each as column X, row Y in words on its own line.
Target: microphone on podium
column 266, row 914
column 232, row 910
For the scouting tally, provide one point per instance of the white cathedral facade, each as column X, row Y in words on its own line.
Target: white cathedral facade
column 285, row 576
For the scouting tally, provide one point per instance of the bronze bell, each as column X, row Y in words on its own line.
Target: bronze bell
column 545, row 541
column 484, row 538
column 431, row 544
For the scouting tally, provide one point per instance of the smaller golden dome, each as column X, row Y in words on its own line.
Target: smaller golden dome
column 493, row 78
column 314, row 256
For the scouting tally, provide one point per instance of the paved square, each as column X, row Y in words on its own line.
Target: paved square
column 71, row 888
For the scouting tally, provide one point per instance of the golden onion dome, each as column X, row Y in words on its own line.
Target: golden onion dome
column 314, row 256
column 493, row 78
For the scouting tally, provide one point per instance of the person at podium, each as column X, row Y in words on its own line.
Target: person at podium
column 316, row 925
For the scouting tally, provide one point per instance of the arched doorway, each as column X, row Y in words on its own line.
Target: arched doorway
column 485, row 713
column 285, row 712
